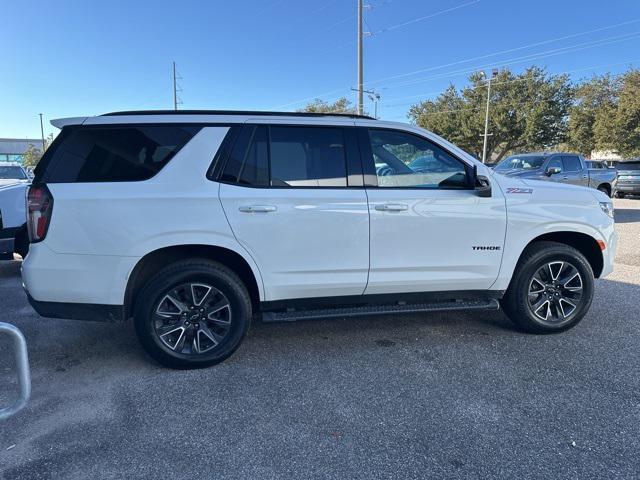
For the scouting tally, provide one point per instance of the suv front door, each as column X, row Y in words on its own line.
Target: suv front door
column 294, row 198
column 430, row 231
column 573, row 170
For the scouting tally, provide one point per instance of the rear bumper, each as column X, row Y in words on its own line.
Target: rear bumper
column 7, row 238
column 53, row 277
column 628, row 188
column 78, row 311
column 6, row 245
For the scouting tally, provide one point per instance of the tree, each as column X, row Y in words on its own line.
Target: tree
column 624, row 118
column 592, row 106
column 527, row 111
column 32, row 156
column 342, row 105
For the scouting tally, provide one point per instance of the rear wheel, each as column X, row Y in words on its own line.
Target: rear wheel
column 620, row 194
column 604, row 189
column 551, row 290
column 192, row 314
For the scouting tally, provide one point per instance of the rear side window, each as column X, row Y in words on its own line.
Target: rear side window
column 308, row 157
column 571, row 163
column 113, row 153
column 278, row 156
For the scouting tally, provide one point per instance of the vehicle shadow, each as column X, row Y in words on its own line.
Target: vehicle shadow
column 78, row 345
column 627, row 215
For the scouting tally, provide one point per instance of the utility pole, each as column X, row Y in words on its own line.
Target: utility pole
column 42, row 133
column 175, row 90
column 486, row 115
column 360, row 69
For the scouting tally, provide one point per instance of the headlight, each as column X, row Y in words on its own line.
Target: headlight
column 607, row 207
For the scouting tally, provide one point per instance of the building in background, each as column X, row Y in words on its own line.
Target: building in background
column 12, row 149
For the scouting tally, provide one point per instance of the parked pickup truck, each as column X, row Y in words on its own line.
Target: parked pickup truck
column 559, row 167
column 13, row 218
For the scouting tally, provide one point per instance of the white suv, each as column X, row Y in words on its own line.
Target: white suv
column 193, row 222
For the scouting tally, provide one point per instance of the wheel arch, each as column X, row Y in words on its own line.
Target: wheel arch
column 153, row 261
column 584, row 243
column 606, row 186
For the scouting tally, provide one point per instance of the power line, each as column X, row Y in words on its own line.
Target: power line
column 510, row 50
column 425, row 17
column 532, row 56
column 467, row 70
column 440, row 92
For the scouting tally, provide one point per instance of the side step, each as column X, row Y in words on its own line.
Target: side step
column 292, row 314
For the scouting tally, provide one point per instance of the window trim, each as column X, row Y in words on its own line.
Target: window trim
column 369, row 171
column 353, row 163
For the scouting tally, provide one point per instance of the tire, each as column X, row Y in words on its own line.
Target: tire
column 620, row 194
column 533, row 292
column 604, row 189
column 180, row 319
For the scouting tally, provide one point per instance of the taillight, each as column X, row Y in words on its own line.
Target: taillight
column 39, row 209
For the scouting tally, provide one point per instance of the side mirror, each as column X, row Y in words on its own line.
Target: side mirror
column 552, row 171
column 481, row 184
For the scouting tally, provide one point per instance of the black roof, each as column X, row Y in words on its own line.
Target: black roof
column 235, row 112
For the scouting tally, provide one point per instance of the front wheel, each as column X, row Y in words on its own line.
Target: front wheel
column 192, row 314
column 620, row 194
column 551, row 290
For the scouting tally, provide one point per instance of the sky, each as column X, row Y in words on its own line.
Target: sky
column 68, row 58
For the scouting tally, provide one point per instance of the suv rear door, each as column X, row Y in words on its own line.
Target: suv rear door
column 294, row 198
column 429, row 229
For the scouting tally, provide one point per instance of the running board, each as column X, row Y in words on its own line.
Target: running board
column 292, row 314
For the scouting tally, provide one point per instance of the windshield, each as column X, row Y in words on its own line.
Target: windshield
column 12, row 172
column 524, row 162
column 628, row 166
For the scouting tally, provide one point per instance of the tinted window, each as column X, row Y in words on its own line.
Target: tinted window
column 113, row 154
column 255, row 168
column 521, row 162
column 555, row 162
column 571, row 163
column 307, row 157
column 248, row 161
column 628, row 166
column 405, row 160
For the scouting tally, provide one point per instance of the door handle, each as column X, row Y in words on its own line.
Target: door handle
column 565, row 177
column 392, row 207
column 258, row 208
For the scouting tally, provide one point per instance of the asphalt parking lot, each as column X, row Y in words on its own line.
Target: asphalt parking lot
column 423, row 396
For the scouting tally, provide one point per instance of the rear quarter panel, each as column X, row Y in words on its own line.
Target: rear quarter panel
column 179, row 206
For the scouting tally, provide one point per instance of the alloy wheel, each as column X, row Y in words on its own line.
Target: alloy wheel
column 192, row 319
column 555, row 292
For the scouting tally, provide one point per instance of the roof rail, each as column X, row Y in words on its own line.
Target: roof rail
column 234, row 112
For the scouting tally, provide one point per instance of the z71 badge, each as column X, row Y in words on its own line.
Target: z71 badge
column 519, row 190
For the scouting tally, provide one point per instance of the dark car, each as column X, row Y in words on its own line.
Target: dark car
column 558, row 167
column 628, row 178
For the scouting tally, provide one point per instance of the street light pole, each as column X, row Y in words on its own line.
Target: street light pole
column 42, row 133
column 360, row 60
column 486, row 117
